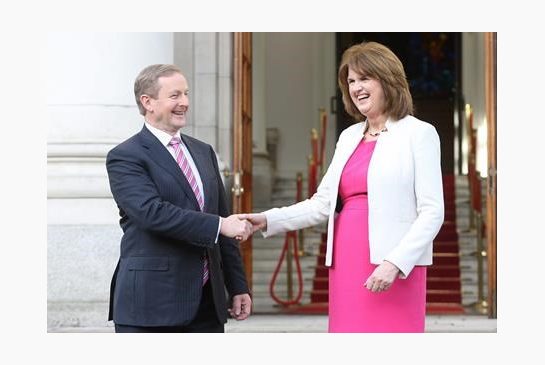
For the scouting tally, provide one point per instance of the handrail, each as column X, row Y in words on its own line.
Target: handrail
column 471, row 164
column 298, row 198
column 314, row 145
column 299, row 182
column 312, row 176
column 315, row 160
column 323, row 131
column 475, row 209
column 476, row 193
column 292, row 235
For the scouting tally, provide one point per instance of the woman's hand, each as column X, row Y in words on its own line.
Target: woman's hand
column 258, row 221
column 382, row 277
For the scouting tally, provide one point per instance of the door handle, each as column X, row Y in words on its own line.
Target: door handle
column 237, row 188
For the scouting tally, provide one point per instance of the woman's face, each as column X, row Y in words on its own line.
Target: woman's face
column 366, row 93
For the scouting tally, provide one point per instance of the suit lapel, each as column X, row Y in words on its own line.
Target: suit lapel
column 164, row 159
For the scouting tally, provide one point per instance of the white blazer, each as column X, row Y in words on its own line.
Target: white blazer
column 405, row 195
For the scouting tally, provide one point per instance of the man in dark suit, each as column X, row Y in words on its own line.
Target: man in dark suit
column 177, row 252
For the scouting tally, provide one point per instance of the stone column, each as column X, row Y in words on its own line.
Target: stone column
column 206, row 60
column 91, row 108
column 263, row 174
column 473, row 89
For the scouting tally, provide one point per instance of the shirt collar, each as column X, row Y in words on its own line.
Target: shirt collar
column 162, row 136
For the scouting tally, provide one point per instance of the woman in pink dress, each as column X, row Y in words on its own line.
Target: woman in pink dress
column 382, row 196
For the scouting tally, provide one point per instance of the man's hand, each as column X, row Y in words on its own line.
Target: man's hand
column 258, row 221
column 241, row 308
column 236, row 227
column 382, row 277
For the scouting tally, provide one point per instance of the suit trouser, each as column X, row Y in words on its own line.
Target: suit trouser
column 206, row 320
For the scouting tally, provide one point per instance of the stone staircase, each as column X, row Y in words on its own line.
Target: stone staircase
column 266, row 253
column 468, row 246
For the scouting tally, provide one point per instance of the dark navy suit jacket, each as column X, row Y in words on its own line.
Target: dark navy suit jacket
column 158, row 279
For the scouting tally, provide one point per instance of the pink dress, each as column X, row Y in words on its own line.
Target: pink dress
column 352, row 307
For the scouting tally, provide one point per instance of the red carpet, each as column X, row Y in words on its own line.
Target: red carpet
column 444, row 290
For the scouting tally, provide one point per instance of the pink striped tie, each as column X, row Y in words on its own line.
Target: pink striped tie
column 181, row 159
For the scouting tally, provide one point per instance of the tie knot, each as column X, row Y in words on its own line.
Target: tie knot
column 175, row 141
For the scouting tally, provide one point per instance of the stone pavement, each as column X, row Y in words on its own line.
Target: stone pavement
column 290, row 323
column 318, row 323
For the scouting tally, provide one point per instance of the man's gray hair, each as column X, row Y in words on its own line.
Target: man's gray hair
column 146, row 82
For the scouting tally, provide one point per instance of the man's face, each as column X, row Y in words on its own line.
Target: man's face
column 168, row 111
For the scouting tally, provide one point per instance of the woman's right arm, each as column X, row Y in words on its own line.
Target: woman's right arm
column 304, row 214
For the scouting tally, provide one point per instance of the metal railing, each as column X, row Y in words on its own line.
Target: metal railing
column 294, row 243
column 475, row 212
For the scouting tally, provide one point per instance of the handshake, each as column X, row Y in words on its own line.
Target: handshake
column 242, row 226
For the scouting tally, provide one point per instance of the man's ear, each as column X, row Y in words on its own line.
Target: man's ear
column 145, row 100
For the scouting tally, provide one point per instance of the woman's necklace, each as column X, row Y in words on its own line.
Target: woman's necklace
column 374, row 134
column 377, row 133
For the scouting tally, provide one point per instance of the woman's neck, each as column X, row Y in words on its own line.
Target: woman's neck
column 377, row 123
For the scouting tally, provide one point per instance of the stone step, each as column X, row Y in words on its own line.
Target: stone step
column 313, row 233
column 265, row 277
column 268, row 266
column 471, row 265
column 271, row 250
column 473, row 289
column 467, row 248
column 266, row 306
column 306, row 263
column 272, row 260
column 469, row 253
column 286, row 182
column 471, row 279
column 281, row 293
column 467, row 276
column 284, row 195
column 272, row 257
column 287, row 185
column 263, row 290
column 282, row 202
column 310, row 237
column 264, row 294
column 310, row 246
column 471, row 298
column 274, row 254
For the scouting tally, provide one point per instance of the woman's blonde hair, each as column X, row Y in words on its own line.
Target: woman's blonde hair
column 379, row 62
